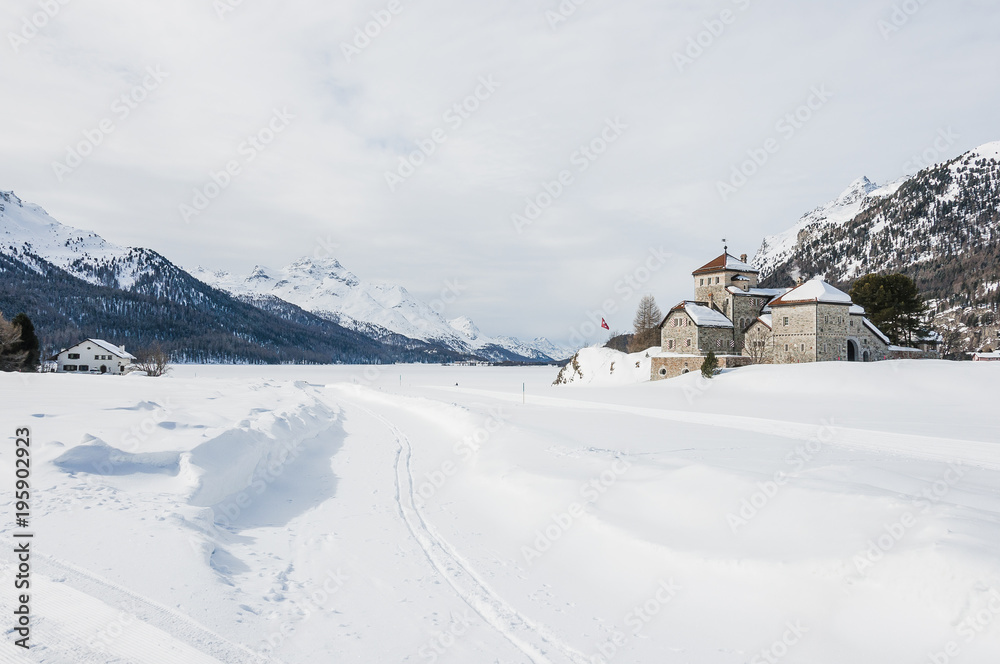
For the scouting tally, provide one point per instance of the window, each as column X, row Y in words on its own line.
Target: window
column 663, row 371
column 688, row 343
column 689, row 322
column 786, row 348
column 702, row 282
column 852, row 323
column 670, row 344
column 74, row 356
column 84, row 367
column 716, row 280
column 69, row 367
column 786, row 321
column 803, row 347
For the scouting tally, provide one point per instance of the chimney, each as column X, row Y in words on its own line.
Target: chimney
column 711, row 301
column 743, row 258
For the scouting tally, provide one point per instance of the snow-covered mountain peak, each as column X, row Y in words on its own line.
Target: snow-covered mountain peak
column 259, row 273
column 10, row 197
column 856, row 191
column 464, row 325
column 28, row 232
column 987, row 151
column 861, row 193
column 325, row 287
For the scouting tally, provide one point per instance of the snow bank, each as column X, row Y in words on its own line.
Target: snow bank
column 605, row 366
column 241, row 458
column 97, row 457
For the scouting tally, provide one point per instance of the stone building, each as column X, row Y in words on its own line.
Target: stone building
column 742, row 323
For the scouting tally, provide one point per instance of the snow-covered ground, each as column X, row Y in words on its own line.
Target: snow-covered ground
column 805, row 513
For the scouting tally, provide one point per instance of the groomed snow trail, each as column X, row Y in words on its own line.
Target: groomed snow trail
column 536, row 641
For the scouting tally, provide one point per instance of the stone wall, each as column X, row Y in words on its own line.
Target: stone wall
column 768, row 351
column 745, row 309
column 833, row 324
column 794, row 333
column 670, row 366
column 714, row 284
column 868, row 342
column 684, row 336
column 717, row 339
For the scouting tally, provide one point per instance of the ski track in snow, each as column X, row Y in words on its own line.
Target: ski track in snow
column 531, row 638
column 929, row 448
column 173, row 623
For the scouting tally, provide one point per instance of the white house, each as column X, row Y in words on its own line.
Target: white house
column 93, row 356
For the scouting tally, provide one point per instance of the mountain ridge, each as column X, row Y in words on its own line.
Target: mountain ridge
column 940, row 226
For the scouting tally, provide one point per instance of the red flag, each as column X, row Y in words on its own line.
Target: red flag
column 604, row 324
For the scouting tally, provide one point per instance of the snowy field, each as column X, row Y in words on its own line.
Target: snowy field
column 823, row 513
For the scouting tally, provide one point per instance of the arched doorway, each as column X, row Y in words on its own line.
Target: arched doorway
column 104, row 369
column 866, row 356
column 852, row 350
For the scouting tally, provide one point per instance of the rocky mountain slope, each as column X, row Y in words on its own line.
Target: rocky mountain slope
column 940, row 226
column 74, row 283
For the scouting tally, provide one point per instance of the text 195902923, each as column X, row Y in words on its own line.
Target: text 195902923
column 22, row 537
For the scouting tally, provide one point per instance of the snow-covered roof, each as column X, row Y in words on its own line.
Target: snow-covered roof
column 871, row 326
column 725, row 262
column 767, row 319
column 106, row 345
column 703, row 315
column 993, row 355
column 856, row 310
column 814, row 290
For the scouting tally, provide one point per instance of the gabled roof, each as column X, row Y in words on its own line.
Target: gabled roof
column 814, row 290
column 726, row 262
column 702, row 314
column 766, row 319
column 101, row 343
column 856, row 310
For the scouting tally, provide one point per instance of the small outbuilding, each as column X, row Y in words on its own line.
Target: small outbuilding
column 93, row 356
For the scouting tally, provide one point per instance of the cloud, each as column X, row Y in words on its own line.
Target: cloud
column 360, row 106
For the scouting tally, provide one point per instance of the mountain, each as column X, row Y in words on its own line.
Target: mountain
column 74, row 284
column 326, row 288
column 941, row 227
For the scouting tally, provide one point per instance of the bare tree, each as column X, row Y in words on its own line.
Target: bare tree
column 646, row 323
column 10, row 337
column 153, row 360
column 756, row 344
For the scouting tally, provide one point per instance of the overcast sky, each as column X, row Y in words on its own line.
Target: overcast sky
column 341, row 111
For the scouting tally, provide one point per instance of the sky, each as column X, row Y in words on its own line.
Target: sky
column 554, row 159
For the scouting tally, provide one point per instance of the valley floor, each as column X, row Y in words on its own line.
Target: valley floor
column 822, row 513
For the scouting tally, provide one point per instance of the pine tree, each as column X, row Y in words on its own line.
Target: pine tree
column 710, row 366
column 28, row 343
column 893, row 303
